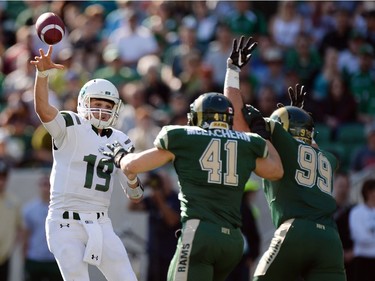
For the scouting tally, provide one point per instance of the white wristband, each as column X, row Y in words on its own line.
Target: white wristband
column 43, row 74
column 232, row 79
column 133, row 181
column 135, row 193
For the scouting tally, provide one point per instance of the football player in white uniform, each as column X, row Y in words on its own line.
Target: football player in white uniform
column 79, row 231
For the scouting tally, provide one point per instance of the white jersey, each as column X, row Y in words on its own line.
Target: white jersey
column 80, row 178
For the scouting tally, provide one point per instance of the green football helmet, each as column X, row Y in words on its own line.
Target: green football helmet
column 211, row 110
column 296, row 121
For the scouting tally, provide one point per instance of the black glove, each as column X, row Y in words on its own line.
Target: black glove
column 240, row 54
column 297, row 96
column 117, row 152
column 255, row 121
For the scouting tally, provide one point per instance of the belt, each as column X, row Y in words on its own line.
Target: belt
column 75, row 216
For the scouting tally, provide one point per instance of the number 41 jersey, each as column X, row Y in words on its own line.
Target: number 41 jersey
column 80, row 179
column 212, row 167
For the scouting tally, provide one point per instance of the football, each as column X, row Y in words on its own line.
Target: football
column 50, row 28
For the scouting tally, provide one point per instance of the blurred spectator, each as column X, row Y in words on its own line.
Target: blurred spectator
column 274, row 72
column 70, row 11
column 218, row 51
column 207, row 80
column 16, row 131
column 362, row 227
column 133, row 96
column 73, row 72
column 23, row 45
column 362, row 84
column 30, row 13
column 117, row 18
column 113, row 69
column 160, row 20
column 266, row 100
column 326, row 74
column 178, row 109
column 370, row 26
column 157, row 90
column 20, row 79
column 364, row 158
column 251, row 234
column 339, row 107
column 206, row 21
column 248, row 89
column 304, row 59
column 133, row 41
column 41, row 142
column 243, row 19
column 338, row 38
column 11, row 221
column 162, row 204
column 191, row 75
column 40, row 264
column 318, row 18
column 145, row 130
column 342, row 191
column 286, row 24
column 348, row 61
column 187, row 43
column 86, row 38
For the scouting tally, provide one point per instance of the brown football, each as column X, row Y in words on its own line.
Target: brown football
column 50, row 28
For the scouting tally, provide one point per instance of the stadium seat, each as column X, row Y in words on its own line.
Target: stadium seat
column 352, row 133
column 323, row 133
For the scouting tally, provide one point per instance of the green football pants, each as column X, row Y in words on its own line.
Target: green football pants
column 205, row 252
column 302, row 248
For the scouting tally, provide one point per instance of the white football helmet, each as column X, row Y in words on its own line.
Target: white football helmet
column 99, row 89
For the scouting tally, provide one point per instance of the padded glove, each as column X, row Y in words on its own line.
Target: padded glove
column 117, row 151
column 255, row 121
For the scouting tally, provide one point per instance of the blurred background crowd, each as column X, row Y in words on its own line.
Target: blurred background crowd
column 163, row 54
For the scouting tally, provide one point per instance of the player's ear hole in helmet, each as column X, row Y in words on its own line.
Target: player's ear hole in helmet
column 296, row 121
column 211, row 111
column 99, row 89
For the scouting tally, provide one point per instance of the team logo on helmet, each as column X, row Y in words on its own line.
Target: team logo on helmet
column 211, row 110
column 296, row 121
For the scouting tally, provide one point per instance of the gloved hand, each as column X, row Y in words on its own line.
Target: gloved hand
column 240, row 54
column 297, row 96
column 117, row 151
column 255, row 121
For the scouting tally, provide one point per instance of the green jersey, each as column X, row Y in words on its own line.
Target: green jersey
column 305, row 190
column 212, row 167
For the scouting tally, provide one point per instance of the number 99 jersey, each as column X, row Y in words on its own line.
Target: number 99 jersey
column 212, row 167
column 305, row 190
column 80, row 178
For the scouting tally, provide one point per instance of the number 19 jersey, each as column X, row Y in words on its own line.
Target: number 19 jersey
column 80, row 178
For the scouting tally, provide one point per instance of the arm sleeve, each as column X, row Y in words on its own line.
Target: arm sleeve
column 57, row 129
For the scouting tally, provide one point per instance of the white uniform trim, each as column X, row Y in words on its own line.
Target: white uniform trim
column 184, row 254
column 270, row 255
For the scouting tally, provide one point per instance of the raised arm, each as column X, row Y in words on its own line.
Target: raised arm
column 43, row 65
column 238, row 58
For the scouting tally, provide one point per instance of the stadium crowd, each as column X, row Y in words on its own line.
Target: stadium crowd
column 162, row 54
